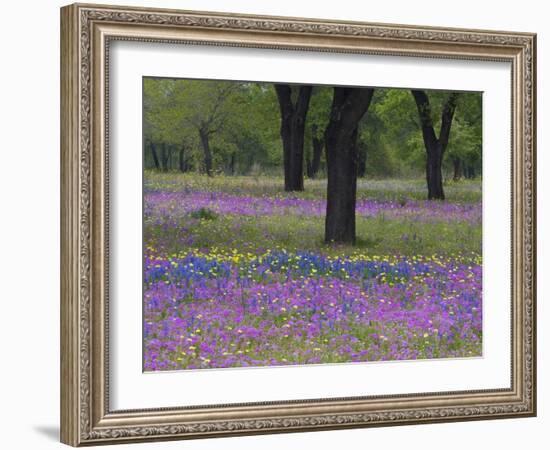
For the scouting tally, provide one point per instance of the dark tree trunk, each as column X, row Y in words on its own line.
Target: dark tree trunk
column 182, row 160
column 309, row 161
column 457, row 169
column 434, row 176
column 341, row 188
column 313, row 162
column 164, row 157
column 232, row 163
column 170, row 154
column 362, row 159
column 309, row 171
column 348, row 107
column 154, row 154
column 318, row 144
column 205, row 143
column 435, row 146
column 293, row 120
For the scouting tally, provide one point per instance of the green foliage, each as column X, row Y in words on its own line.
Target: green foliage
column 396, row 144
column 318, row 113
column 466, row 141
column 242, row 120
column 391, row 127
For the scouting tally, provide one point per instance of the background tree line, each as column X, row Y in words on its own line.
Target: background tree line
column 392, row 131
column 248, row 128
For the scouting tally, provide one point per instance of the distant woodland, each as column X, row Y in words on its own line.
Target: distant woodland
column 300, row 131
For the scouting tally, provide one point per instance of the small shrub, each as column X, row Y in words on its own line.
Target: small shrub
column 402, row 200
column 204, row 214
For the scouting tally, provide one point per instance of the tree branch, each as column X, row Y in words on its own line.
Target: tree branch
column 302, row 103
column 447, row 119
column 351, row 104
column 425, row 114
column 284, row 96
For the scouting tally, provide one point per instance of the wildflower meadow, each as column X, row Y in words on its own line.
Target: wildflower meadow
column 293, row 224
column 242, row 277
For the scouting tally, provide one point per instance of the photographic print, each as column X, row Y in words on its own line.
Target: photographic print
column 293, row 224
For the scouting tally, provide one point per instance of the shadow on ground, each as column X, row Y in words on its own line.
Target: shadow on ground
column 49, row 431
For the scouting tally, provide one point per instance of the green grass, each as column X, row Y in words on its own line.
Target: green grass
column 377, row 235
column 463, row 191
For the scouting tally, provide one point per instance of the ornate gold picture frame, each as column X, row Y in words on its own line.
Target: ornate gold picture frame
column 87, row 32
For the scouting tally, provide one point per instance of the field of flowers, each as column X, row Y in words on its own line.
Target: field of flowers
column 236, row 274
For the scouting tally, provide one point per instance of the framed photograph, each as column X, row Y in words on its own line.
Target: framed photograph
column 274, row 224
